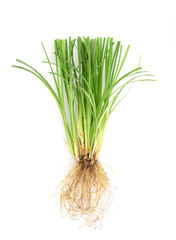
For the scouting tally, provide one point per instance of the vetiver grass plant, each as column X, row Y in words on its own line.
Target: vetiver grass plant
column 88, row 88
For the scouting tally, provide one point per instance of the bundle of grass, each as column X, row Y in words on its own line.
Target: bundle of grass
column 88, row 86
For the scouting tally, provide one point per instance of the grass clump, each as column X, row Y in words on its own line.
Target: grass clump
column 88, row 88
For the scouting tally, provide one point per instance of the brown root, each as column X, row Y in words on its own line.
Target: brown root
column 85, row 191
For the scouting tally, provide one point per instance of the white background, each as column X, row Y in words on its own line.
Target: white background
column 140, row 139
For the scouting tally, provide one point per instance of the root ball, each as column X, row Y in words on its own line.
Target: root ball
column 85, row 191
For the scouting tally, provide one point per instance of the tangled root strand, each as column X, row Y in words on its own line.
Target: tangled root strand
column 85, row 191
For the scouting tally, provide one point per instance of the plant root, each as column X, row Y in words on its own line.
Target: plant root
column 85, row 192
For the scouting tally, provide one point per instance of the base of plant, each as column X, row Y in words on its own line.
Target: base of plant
column 85, row 191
